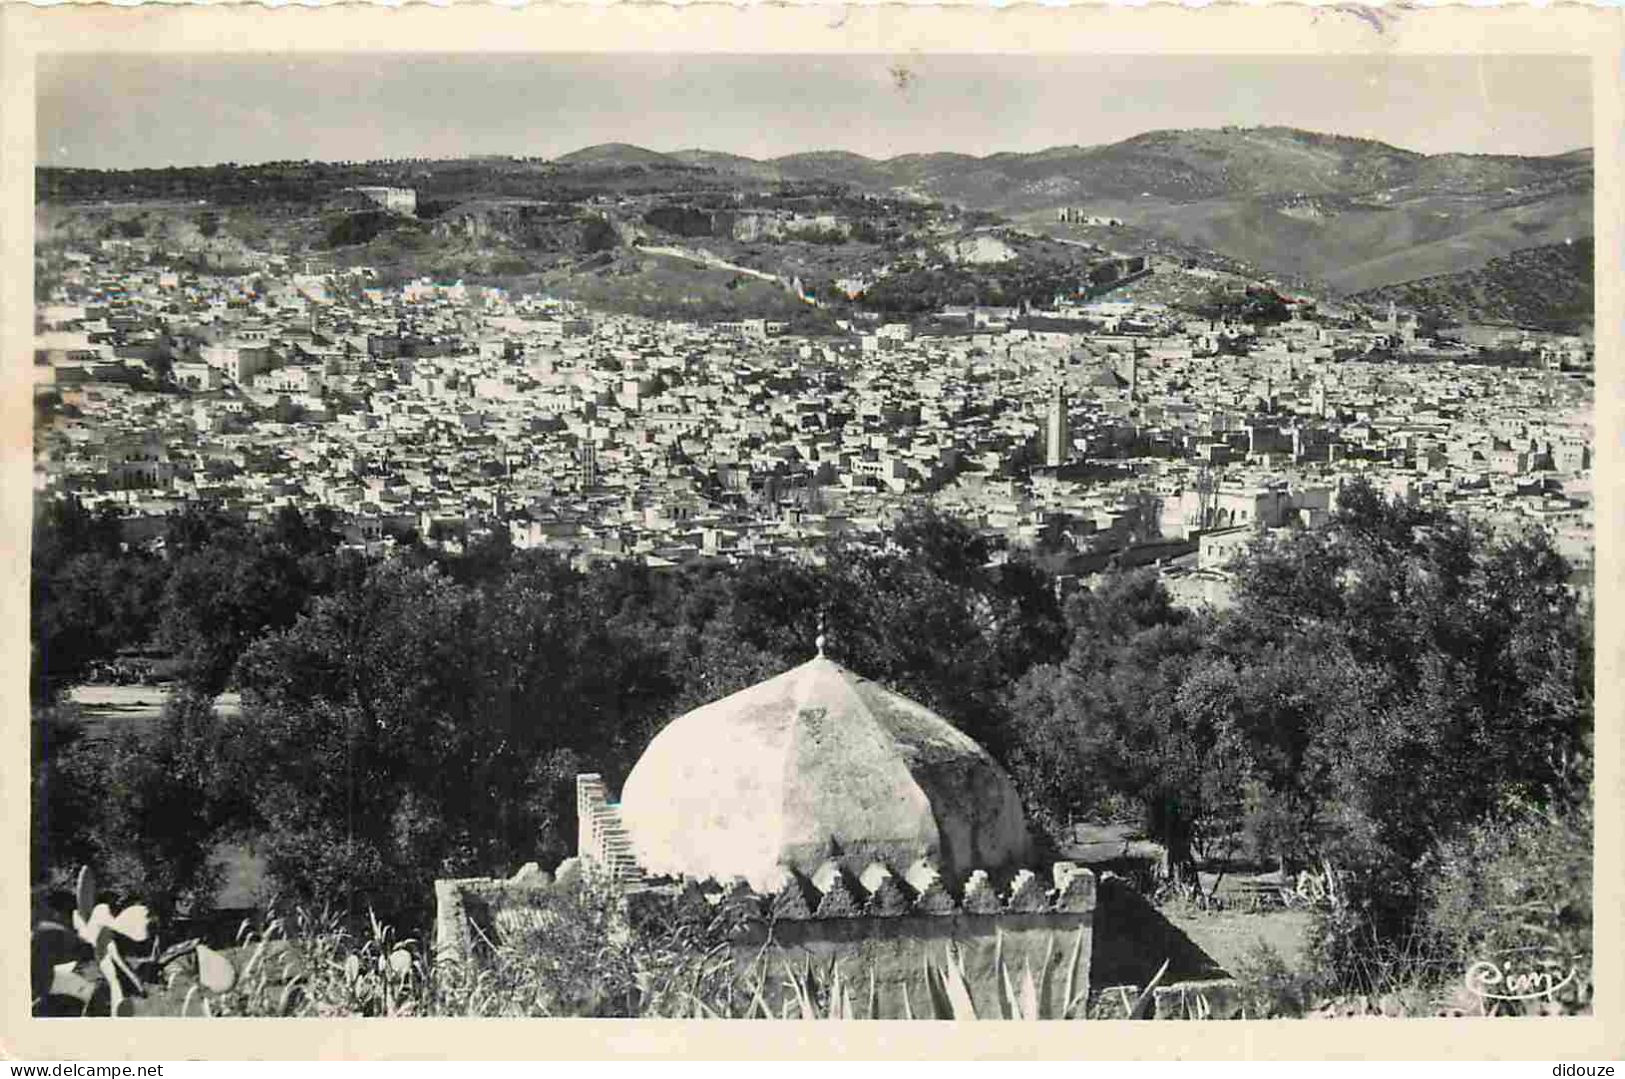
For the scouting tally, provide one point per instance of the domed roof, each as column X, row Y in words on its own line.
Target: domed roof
column 813, row 764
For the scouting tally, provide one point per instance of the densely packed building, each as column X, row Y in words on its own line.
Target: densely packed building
column 1128, row 430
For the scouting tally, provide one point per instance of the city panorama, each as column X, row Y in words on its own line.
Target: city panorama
column 666, row 556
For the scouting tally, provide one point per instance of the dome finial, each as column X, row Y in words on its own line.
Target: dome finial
column 819, row 640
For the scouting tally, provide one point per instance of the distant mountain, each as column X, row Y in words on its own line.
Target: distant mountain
column 1187, row 165
column 1312, row 209
column 836, row 165
column 729, row 164
column 1355, row 213
column 1549, row 288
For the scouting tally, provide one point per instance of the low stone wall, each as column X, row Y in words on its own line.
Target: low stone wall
column 474, row 909
column 879, row 929
column 1214, row 998
column 882, row 961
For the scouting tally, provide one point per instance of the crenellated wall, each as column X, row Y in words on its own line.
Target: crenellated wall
column 880, row 925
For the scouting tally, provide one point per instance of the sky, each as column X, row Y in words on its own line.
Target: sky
column 121, row 111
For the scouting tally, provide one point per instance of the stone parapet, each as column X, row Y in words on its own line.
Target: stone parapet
column 883, row 927
column 880, row 926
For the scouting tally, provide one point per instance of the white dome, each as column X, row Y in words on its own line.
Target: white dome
column 813, row 764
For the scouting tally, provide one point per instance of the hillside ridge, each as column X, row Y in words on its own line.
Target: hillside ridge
column 1549, row 287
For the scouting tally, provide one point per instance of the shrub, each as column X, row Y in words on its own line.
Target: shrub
column 1270, row 988
column 63, row 794
column 597, row 235
column 1517, row 884
column 1352, row 951
column 581, row 953
column 359, row 228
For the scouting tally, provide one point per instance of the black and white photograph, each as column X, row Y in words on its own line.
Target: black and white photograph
column 820, row 535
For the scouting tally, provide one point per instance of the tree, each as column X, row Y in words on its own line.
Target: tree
column 1465, row 667
column 229, row 583
column 1110, row 720
column 217, row 601
column 62, row 799
column 597, row 234
column 158, row 807
column 90, row 596
column 373, row 716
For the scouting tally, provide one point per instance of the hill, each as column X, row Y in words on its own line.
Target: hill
column 660, row 286
column 729, row 164
column 614, row 155
column 1187, row 166
column 1352, row 214
column 1549, row 288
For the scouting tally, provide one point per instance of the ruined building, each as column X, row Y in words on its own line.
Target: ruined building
column 397, row 200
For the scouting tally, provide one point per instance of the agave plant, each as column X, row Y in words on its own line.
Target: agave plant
column 948, row 990
column 1143, row 1004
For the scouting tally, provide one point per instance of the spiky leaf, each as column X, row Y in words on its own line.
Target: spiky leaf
column 132, row 922
column 85, row 893
column 937, row 993
column 214, row 971
column 1030, row 1003
column 1148, row 996
column 958, row 989
column 1072, row 993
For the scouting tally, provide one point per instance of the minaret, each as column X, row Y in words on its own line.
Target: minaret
column 589, row 466
column 1320, row 398
column 1393, row 316
column 1133, row 376
column 1055, row 432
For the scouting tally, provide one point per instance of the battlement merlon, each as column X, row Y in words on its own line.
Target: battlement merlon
column 880, row 892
